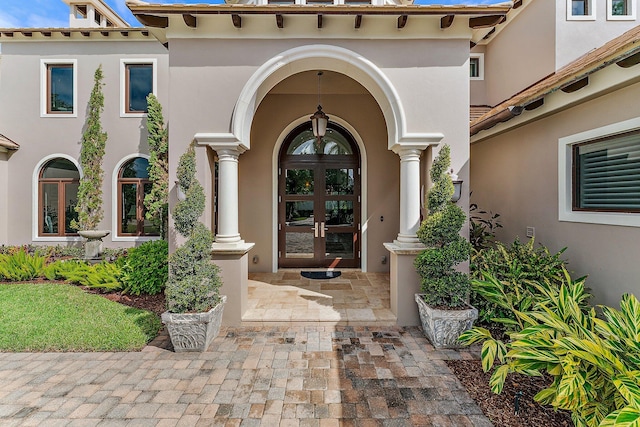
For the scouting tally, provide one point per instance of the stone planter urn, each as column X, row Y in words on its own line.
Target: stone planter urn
column 443, row 327
column 194, row 331
column 93, row 246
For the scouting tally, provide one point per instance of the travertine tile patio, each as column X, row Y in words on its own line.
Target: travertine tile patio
column 251, row 376
column 285, row 297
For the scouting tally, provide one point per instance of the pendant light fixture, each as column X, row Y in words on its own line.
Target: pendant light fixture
column 319, row 119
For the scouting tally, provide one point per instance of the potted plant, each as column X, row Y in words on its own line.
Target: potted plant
column 89, row 206
column 194, row 305
column 443, row 307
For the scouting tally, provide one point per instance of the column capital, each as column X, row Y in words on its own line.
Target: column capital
column 221, row 143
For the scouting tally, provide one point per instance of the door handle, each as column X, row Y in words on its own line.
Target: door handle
column 315, row 229
column 322, row 229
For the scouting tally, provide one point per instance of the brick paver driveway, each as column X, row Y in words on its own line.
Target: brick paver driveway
column 270, row 376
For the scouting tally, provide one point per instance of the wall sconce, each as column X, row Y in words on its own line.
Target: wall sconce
column 457, row 190
column 179, row 192
column 457, row 187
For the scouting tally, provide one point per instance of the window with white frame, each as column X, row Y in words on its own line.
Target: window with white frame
column 133, row 186
column 58, row 183
column 58, row 88
column 138, row 78
column 621, row 10
column 476, row 66
column 599, row 175
column 581, row 10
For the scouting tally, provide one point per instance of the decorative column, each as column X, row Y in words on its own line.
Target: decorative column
column 409, row 195
column 229, row 251
column 228, row 194
column 404, row 280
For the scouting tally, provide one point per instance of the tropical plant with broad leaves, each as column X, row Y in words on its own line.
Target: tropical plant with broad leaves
column 594, row 362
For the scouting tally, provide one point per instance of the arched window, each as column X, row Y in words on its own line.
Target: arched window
column 57, row 197
column 133, row 185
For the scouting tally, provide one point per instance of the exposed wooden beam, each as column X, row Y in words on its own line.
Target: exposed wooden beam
column 535, row 104
column 190, row 20
column 472, row 44
column 517, row 4
column 319, row 20
column 105, row 33
column 358, row 22
column 237, row 20
column 280, row 20
column 166, row 45
column 124, row 33
column 66, row 33
column 8, row 34
column 446, row 21
column 46, row 33
column 145, row 33
column 489, row 34
column 486, row 21
column 26, row 33
column 629, row 61
column 85, row 33
column 402, row 21
column 575, row 86
column 153, row 21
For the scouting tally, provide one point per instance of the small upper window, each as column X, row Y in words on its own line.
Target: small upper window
column 581, row 10
column 60, row 88
column 476, row 66
column 139, row 84
column 621, row 10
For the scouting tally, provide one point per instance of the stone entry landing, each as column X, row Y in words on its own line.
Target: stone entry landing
column 355, row 298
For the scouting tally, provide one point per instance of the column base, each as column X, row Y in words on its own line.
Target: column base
column 404, row 282
column 232, row 258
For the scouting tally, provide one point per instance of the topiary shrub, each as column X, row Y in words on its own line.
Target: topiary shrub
column 441, row 284
column 194, row 281
column 146, row 268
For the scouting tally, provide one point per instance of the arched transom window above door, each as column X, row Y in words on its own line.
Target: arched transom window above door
column 133, row 186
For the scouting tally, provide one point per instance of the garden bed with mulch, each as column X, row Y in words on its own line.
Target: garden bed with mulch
column 501, row 408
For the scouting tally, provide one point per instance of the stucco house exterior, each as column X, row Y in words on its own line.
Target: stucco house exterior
column 242, row 79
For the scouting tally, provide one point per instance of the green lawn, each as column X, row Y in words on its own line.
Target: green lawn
column 60, row 317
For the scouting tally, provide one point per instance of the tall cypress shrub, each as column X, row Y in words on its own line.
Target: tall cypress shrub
column 156, row 202
column 94, row 139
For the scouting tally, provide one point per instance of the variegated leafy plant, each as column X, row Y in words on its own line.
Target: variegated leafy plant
column 594, row 362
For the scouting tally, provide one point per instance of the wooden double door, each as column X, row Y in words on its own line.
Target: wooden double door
column 319, row 200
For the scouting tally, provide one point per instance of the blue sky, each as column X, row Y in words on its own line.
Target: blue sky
column 54, row 13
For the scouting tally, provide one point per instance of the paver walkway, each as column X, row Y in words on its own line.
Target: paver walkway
column 278, row 376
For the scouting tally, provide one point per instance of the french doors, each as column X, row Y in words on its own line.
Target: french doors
column 319, row 200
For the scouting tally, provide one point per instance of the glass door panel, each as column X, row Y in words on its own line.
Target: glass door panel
column 299, row 181
column 129, row 205
column 70, row 201
column 339, row 245
column 339, row 181
column 50, row 208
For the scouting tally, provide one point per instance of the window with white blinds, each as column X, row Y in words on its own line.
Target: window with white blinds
column 606, row 174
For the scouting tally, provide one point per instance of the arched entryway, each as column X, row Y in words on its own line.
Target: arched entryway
column 319, row 199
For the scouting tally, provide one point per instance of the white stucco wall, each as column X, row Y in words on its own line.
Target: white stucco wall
column 40, row 137
column 522, row 53
column 516, row 175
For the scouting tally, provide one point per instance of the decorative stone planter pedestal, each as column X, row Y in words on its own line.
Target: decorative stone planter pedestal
column 194, row 331
column 443, row 327
column 93, row 245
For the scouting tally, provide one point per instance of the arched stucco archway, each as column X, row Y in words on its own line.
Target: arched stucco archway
column 314, row 57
